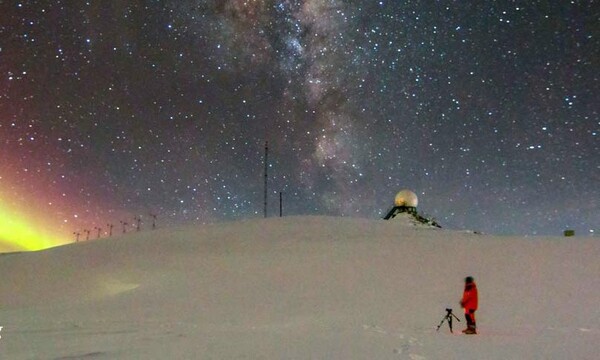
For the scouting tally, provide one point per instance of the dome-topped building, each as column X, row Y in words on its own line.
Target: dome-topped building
column 406, row 202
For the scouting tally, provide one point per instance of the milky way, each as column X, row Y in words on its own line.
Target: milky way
column 488, row 111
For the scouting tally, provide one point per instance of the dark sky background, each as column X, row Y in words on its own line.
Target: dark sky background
column 488, row 110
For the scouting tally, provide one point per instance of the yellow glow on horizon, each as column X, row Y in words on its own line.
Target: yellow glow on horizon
column 24, row 234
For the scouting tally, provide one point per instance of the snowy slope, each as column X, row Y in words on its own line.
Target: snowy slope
column 301, row 288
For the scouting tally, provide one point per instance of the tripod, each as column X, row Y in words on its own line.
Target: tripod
column 448, row 318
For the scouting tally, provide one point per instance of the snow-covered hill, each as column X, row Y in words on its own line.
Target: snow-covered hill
column 301, row 288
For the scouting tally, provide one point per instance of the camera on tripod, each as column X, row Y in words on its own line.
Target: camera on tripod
column 448, row 318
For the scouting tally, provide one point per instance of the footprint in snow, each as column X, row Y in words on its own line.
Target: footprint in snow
column 416, row 357
column 405, row 349
column 374, row 328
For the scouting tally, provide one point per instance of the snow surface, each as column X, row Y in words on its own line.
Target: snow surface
column 301, row 288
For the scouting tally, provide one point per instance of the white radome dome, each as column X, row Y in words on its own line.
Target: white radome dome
column 406, row 198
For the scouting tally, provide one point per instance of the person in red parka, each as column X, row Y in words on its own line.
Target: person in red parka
column 469, row 302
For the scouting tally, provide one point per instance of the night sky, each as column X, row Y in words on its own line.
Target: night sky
column 488, row 110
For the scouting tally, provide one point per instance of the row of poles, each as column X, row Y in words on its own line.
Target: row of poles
column 138, row 219
column 137, row 223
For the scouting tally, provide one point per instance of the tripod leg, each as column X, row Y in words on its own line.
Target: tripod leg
column 450, row 324
column 440, row 325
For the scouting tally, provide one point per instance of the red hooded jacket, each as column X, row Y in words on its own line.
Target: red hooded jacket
column 469, row 300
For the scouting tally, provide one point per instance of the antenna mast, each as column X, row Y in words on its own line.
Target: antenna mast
column 266, row 175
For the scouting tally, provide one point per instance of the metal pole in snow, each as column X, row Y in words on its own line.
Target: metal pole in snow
column 266, row 175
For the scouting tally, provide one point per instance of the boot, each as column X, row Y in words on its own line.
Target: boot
column 470, row 330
